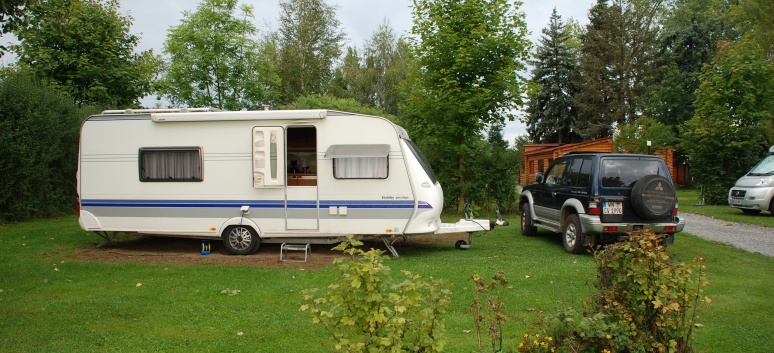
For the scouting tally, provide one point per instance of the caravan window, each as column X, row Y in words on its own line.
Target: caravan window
column 171, row 164
column 359, row 161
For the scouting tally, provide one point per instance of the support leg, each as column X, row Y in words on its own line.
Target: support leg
column 388, row 243
column 107, row 236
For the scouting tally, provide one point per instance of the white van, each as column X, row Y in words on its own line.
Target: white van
column 246, row 177
column 754, row 192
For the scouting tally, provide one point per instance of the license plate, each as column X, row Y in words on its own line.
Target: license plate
column 736, row 202
column 612, row 207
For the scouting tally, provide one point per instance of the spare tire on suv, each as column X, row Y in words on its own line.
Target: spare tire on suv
column 653, row 197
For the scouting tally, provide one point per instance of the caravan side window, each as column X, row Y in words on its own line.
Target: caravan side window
column 171, row 164
column 359, row 161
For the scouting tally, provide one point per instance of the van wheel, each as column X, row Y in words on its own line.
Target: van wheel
column 241, row 240
column 527, row 227
column 572, row 238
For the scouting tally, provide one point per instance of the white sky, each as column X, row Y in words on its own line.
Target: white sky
column 359, row 19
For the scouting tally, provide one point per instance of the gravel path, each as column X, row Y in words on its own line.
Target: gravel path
column 743, row 236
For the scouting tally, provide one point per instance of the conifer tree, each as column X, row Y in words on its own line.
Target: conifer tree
column 551, row 108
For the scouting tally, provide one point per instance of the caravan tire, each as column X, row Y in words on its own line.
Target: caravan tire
column 241, row 240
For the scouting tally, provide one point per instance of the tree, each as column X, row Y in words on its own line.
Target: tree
column 691, row 33
column 551, row 109
column 374, row 78
column 308, row 43
column 633, row 137
column 214, row 62
column 467, row 55
column 733, row 104
column 617, row 59
column 386, row 59
column 85, row 47
column 317, row 101
column 753, row 18
column 12, row 13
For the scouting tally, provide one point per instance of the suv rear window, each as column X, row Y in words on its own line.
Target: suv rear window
column 618, row 173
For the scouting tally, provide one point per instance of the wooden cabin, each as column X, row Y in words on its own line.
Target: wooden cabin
column 537, row 157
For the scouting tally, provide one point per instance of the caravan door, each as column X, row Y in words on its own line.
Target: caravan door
column 302, row 202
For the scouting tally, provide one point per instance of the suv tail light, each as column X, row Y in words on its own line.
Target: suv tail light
column 594, row 206
column 674, row 210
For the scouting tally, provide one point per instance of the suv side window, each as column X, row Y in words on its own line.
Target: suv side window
column 554, row 175
column 579, row 173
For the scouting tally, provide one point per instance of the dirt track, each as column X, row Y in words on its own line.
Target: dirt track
column 165, row 250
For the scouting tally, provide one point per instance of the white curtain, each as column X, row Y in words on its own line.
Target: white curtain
column 360, row 168
column 171, row 165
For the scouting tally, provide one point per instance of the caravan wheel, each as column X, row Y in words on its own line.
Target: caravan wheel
column 241, row 240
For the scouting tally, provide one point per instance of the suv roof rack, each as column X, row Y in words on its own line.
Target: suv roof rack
column 160, row 110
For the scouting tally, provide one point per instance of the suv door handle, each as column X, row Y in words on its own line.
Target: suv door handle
column 553, row 193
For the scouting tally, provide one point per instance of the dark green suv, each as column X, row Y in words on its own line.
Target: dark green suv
column 596, row 198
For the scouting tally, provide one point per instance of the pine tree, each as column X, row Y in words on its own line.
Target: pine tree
column 551, row 108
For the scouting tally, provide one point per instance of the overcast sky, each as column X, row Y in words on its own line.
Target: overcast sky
column 359, row 19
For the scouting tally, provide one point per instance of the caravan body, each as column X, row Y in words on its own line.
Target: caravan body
column 254, row 176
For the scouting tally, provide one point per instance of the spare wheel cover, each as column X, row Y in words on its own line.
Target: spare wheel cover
column 653, row 197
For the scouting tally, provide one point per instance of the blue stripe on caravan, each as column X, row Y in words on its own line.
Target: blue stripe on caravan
column 183, row 203
column 252, row 203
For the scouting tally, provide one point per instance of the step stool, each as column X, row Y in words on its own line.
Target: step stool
column 285, row 247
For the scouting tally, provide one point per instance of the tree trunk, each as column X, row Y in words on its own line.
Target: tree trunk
column 461, row 200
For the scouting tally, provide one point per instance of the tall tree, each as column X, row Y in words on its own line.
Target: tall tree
column 467, row 56
column 374, row 78
column 691, row 33
column 85, row 46
column 734, row 101
column 754, row 19
column 386, row 59
column 350, row 79
column 308, row 42
column 617, row 58
column 215, row 62
column 551, row 108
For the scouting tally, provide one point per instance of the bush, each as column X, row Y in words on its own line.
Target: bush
column 39, row 129
column 643, row 303
column 368, row 310
column 656, row 301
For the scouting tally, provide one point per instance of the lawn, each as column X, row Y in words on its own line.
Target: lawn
column 689, row 201
column 55, row 303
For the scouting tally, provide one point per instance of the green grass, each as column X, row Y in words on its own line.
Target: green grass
column 95, row 306
column 688, row 200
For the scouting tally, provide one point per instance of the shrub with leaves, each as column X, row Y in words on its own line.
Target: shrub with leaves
column 644, row 302
column 640, row 288
column 368, row 310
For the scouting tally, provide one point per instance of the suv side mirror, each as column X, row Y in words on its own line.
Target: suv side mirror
column 538, row 178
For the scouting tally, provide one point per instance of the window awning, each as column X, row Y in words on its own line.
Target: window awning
column 355, row 151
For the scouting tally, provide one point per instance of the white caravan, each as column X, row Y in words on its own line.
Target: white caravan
column 246, row 177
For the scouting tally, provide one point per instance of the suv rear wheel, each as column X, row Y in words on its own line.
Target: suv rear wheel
column 572, row 238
